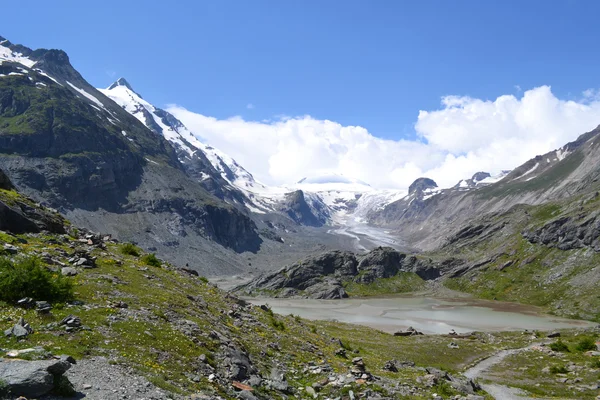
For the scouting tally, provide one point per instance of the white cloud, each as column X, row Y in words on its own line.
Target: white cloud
column 465, row 136
column 249, row 106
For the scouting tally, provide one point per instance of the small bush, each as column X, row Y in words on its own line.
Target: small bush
column 559, row 345
column 203, row 279
column 585, row 344
column 313, row 329
column 130, row 250
column 444, row 389
column 277, row 324
column 3, row 389
column 27, row 278
column 150, row 259
column 345, row 346
column 558, row 369
column 595, row 363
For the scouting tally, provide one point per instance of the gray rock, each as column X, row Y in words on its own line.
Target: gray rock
column 31, row 378
column 43, row 307
column 10, row 249
column 20, row 330
column 69, row 271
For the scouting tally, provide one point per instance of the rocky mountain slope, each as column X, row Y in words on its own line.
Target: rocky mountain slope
column 66, row 144
column 134, row 326
column 425, row 220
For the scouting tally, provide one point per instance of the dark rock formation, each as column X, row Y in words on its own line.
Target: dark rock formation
column 19, row 214
column 323, row 276
column 421, row 184
column 567, row 233
column 299, row 210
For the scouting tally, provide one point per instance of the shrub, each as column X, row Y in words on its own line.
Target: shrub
column 277, row 324
column 595, row 363
column 27, row 278
column 3, row 389
column 130, row 250
column 585, row 344
column 559, row 345
column 558, row 369
column 150, row 259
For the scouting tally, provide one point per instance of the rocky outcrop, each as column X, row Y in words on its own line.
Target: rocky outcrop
column 19, row 214
column 569, row 232
column 323, row 276
column 33, row 379
column 421, row 184
column 299, row 210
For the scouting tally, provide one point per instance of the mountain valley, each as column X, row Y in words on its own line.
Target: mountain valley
column 153, row 249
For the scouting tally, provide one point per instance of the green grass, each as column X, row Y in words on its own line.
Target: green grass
column 403, row 282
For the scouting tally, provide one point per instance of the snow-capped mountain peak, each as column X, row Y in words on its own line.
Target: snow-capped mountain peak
column 189, row 146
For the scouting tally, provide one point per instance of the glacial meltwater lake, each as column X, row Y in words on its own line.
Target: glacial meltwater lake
column 426, row 314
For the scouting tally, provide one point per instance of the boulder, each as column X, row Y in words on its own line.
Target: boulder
column 68, row 271
column 32, row 378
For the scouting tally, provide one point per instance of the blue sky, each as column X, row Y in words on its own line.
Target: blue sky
column 368, row 63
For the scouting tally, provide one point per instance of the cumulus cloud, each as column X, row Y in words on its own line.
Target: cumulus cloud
column 464, row 136
column 250, row 106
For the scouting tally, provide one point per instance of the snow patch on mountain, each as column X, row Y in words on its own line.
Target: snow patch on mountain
column 8, row 55
column 86, row 95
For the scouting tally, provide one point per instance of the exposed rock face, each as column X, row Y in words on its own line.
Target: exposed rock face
column 323, row 276
column 568, row 233
column 21, row 215
column 299, row 210
column 421, row 184
column 5, row 182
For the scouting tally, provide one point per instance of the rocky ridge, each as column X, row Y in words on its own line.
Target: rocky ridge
column 324, row 276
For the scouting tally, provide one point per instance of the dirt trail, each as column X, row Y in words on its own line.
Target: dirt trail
column 499, row 392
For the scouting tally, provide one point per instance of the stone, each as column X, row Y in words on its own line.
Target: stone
column 390, row 366
column 311, row 391
column 31, row 379
column 43, row 307
column 10, row 249
column 87, row 386
column 453, row 345
column 341, row 352
column 553, row 335
column 26, row 302
column 68, row 271
column 20, row 330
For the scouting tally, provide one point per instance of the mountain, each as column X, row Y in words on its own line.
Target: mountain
column 427, row 221
column 215, row 171
column 66, row 144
